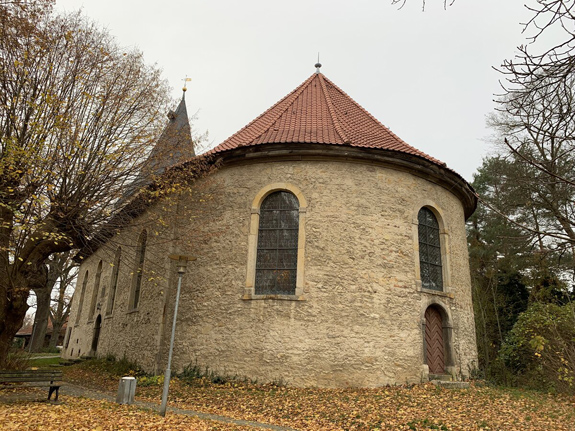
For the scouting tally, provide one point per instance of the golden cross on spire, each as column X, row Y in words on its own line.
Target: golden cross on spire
column 186, row 80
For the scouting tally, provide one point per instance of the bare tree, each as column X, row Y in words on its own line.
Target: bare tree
column 53, row 300
column 78, row 118
column 536, row 123
column 41, row 317
column 64, row 265
column 402, row 3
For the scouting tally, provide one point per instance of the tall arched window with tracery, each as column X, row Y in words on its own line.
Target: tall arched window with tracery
column 431, row 270
column 114, row 281
column 82, row 293
column 95, row 291
column 276, row 262
column 139, row 269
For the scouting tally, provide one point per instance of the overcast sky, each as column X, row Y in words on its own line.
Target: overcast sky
column 426, row 75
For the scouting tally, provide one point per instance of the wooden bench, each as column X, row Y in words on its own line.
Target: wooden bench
column 44, row 378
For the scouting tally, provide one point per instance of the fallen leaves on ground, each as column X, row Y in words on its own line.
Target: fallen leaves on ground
column 417, row 407
column 81, row 414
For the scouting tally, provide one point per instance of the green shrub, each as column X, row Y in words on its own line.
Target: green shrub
column 116, row 367
column 16, row 360
column 151, row 380
column 539, row 351
column 18, row 343
column 191, row 372
column 194, row 374
column 125, row 367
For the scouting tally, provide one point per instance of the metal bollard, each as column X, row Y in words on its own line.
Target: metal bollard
column 126, row 390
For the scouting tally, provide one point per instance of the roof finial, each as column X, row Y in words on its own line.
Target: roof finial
column 186, row 80
column 318, row 64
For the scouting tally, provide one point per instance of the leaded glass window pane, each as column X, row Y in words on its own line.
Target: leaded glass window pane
column 429, row 250
column 82, row 292
column 140, row 258
column 114, row 282
column 276, row 262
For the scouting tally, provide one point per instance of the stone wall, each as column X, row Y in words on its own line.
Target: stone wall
column 134, row 334
column 359, row 320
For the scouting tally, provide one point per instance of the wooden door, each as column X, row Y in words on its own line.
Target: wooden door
column 434, row 343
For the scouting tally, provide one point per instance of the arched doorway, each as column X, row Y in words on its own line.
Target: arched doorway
column 434, row 341
column 96, row 334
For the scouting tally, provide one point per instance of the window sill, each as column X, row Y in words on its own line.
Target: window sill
column 134, row 310
column 249, row 296
column 108, row 316
column 437, row 292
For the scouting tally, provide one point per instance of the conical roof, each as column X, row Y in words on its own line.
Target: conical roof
column 319, row 112
column 175, row 144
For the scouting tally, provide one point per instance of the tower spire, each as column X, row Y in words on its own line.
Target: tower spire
column 317, row 65
column 185, row 87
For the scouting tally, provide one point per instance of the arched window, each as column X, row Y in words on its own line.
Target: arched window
column 276, row 262
column 114, row 281
column 67, row 337
column 139, row 269
column 95, row 291
column 81, row 302
column 96, row 336
column 431, row 271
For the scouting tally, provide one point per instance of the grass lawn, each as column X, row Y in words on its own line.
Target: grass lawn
column 34, row 355
column 44, row 362
column 415, row 407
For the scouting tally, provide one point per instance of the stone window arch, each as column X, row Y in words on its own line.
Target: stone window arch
column 431, row 247
column 81, row 302
column 429, row 239
column 276, row 244
column 67, row 337
column 138, row 270
column 114, row 281
column 95, row 292
column 96, row 335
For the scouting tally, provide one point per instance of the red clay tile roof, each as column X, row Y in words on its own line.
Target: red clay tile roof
column 27, row 329
column 321, row 113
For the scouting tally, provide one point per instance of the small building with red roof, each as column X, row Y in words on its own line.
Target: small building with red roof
column 329, row 252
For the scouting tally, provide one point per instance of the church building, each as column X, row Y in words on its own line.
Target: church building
column 329, row 253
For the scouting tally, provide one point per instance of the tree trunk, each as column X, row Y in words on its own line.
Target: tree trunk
column 56, row 328
column 16, row 281
column 12, row 313
column 41, row 319
column 60, row 268
column 14, row 320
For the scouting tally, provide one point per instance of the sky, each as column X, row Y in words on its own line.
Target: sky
column 427, row 75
